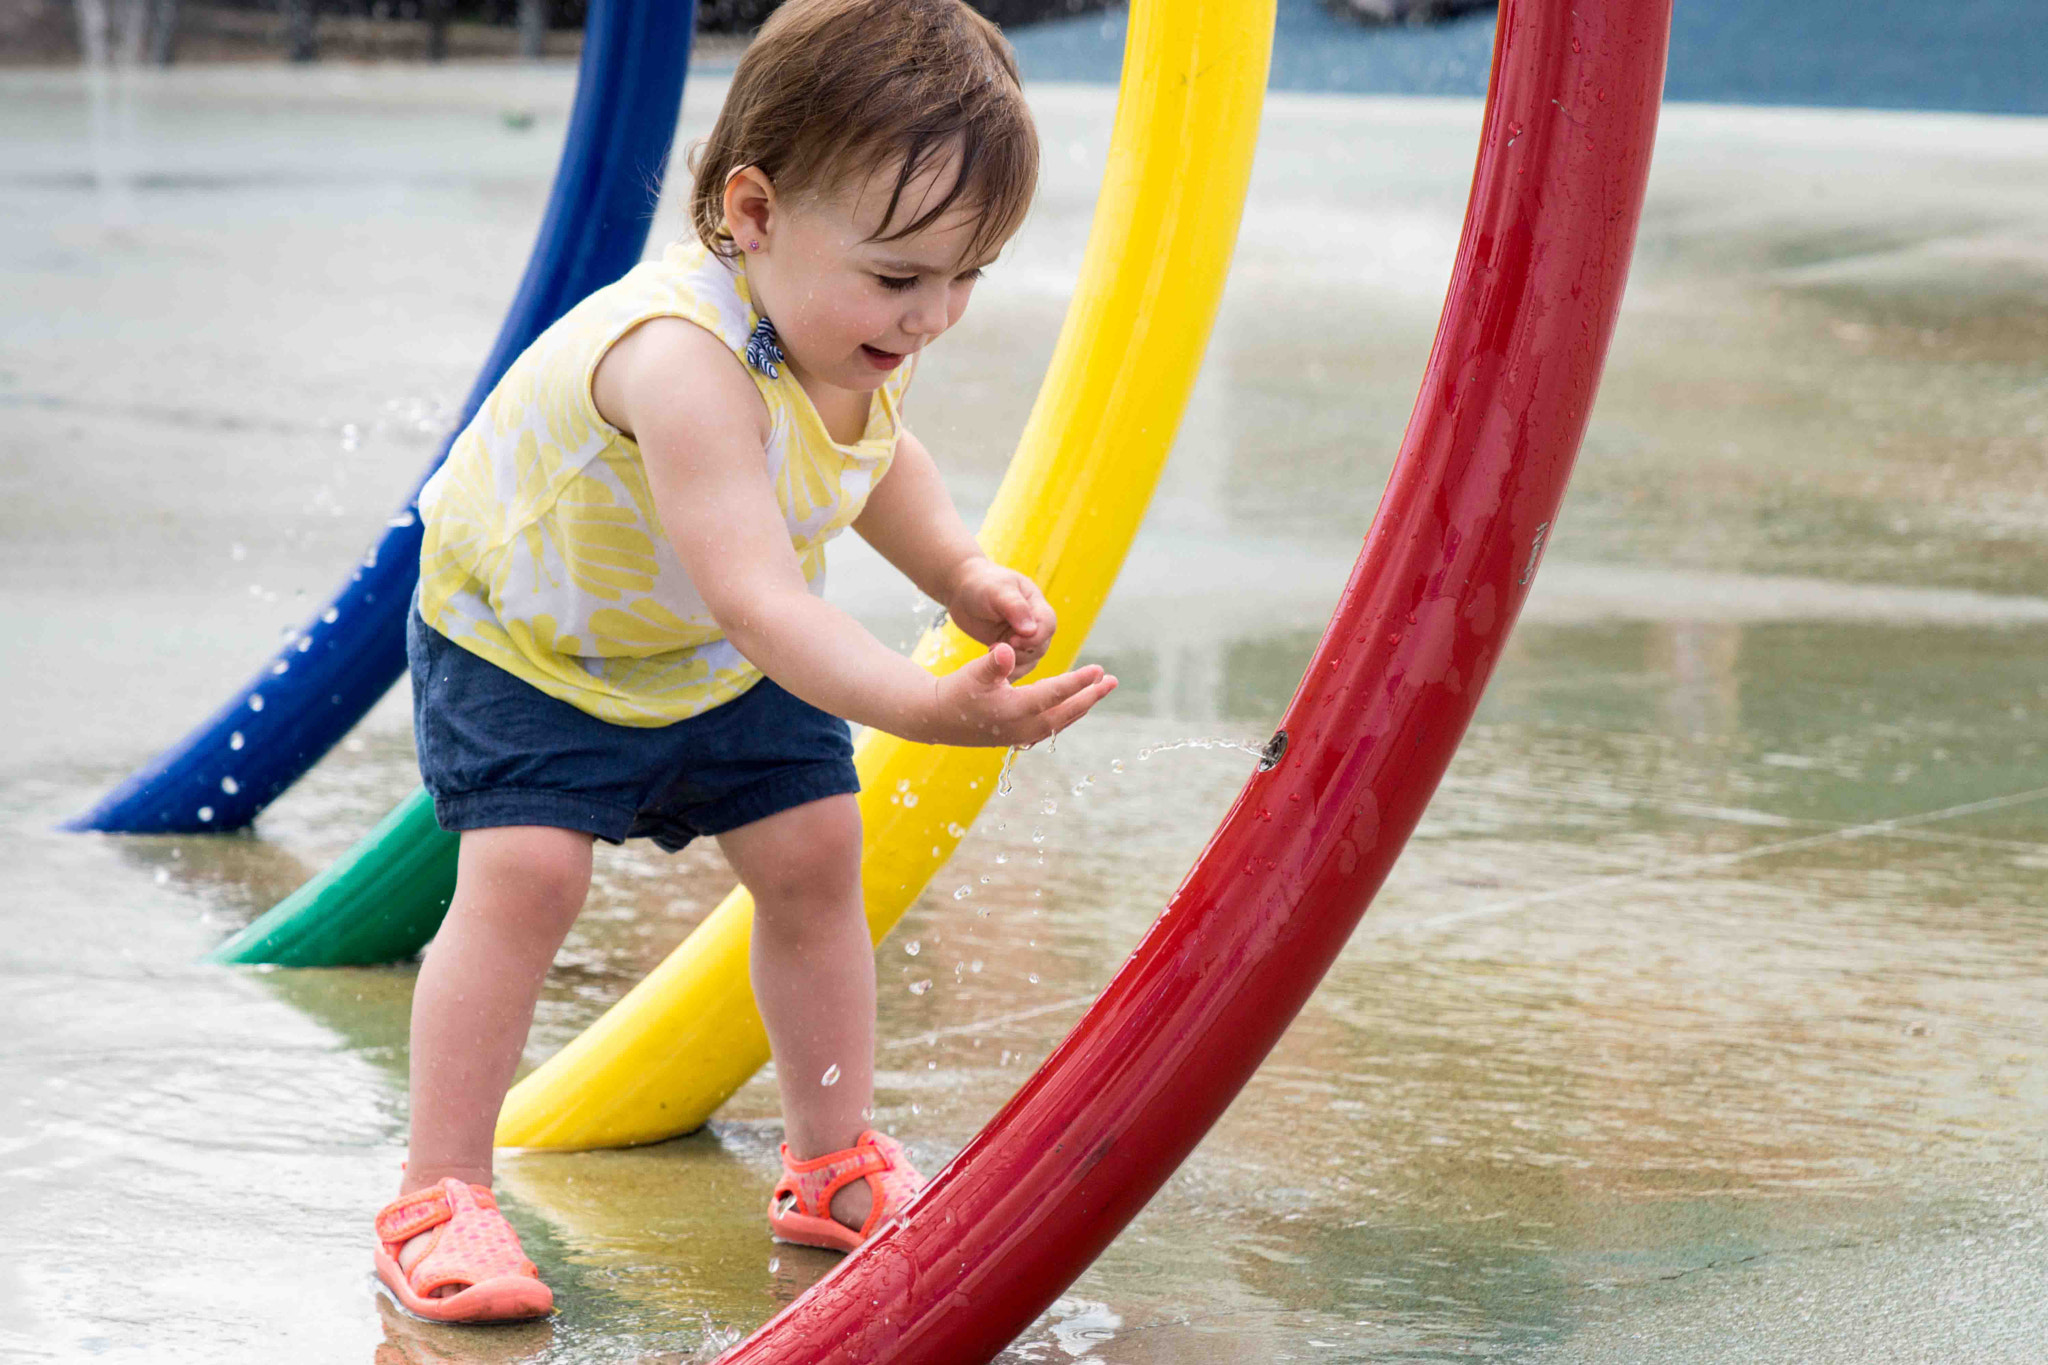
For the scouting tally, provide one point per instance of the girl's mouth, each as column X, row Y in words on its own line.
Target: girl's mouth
column 880, row 359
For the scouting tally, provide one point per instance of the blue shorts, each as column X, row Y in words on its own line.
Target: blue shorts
column 495, row 750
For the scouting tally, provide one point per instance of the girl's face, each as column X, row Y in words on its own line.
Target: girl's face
column 848, row 309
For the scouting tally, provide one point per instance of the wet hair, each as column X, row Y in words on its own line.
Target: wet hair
column 832, row 91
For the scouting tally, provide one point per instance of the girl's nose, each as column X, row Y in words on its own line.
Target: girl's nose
column 926, row 316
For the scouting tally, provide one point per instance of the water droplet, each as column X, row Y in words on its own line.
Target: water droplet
column 955, row 829
column 1049, row 807
column 903, row 784
column 1033, row 978
column 1084, row 784
column 1038, row 836
column 280, row 667
column 963, row 892
column 915, row 1109
column 331, row 615
column 1002, row 858
column 235, row 740
column 206, row 812
column 1116, row 765
column 774, row 1264
column 230, row 786
column 920, row 987
column 255, row 701
column 913, row 948
column 831, row 1076
column 909, row 799
column 975, row 965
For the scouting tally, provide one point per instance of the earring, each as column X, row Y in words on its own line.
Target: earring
column 753, row 246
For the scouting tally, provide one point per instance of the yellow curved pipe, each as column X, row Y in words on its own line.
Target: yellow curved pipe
column 681, row 1042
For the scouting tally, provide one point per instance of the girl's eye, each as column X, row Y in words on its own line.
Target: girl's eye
column 896, row 284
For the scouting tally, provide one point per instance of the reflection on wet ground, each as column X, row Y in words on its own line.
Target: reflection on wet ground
column 1706, row 1017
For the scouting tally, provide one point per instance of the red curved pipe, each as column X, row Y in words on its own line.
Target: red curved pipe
column 1036, row 1196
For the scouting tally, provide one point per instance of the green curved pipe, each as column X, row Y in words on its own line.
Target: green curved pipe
column 379, row 902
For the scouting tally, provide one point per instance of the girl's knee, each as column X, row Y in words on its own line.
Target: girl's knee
column 804, row 856
column 528, row 870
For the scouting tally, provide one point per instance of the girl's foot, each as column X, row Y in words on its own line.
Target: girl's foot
column 852, row 1205
column 817, row 1202
column 447, row 1254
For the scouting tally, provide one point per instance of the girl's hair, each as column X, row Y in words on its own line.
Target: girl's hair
column 832, row 91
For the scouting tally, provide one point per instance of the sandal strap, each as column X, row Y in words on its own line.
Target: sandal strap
column 897, row 1184
column 409, row 1215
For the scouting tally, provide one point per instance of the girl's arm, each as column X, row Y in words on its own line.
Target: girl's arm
column 700, row 425
column 911, row 519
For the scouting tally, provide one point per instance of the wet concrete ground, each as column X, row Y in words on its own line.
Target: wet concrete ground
column 1705, row 1019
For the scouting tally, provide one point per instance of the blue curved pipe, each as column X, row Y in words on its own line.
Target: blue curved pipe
column 629, row 93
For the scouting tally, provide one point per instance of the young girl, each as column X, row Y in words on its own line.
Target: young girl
column 619, row 631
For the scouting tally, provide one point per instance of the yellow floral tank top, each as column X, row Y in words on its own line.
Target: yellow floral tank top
column 543, row 551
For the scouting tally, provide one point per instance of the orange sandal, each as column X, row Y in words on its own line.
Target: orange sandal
column 473, row 1246
column 800, row 1210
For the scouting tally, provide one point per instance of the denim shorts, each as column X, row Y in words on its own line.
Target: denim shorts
column 495, row 750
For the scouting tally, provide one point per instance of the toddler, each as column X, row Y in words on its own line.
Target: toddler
column 619, row 631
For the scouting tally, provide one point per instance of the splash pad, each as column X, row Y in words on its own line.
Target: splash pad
column 1448, row 563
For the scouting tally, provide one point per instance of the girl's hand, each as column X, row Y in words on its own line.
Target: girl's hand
column 977, row 704
column 1001, row 606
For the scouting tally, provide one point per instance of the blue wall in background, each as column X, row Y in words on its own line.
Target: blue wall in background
column 1986, row 56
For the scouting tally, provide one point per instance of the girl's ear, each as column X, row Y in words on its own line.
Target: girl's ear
column 749, row 208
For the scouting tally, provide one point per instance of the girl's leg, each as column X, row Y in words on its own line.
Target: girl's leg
column 813, row 968
column 517, row 891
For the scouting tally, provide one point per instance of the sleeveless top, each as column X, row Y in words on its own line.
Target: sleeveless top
column 543, row 552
